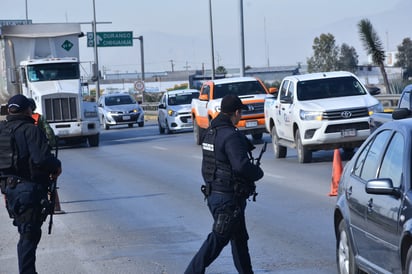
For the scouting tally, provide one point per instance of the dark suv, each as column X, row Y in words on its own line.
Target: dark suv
column 373, row 214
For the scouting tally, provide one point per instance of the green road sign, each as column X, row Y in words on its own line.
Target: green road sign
column 111, row 39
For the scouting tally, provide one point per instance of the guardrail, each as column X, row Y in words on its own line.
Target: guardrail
column 389, row 101
column 150, row 108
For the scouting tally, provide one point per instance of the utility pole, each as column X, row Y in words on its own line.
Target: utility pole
column 211, row 39
column 173, row 65
column 96, row 58
column 187, row 66
column 242, row 41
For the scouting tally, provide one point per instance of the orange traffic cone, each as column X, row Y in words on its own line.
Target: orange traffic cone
column 336, row 173
column 57, row 208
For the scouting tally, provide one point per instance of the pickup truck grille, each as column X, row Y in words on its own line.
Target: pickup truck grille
column 345, row 114
column 61, row 109
column 339, row 128
column 254, row 108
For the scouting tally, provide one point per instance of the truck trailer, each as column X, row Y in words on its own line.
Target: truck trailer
column 41, row 61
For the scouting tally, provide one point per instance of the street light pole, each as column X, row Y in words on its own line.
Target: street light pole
column 211, row 39
column 142, row 62
column 96, row 58
column 242, row 41
column 27, row 14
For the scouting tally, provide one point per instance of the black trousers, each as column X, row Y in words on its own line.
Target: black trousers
column 30, row 234
column 24, row 203
column 236, row 234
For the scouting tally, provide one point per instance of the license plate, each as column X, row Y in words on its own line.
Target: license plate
column 63, row 132
column 251, row 124
column 350, row 132
column 126, row 117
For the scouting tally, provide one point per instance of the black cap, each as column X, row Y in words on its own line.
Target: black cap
column 18, row 103
column 231, row 103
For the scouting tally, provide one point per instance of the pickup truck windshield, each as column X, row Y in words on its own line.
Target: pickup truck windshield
column 329, row 88
column 53, row 71
column 239, row 88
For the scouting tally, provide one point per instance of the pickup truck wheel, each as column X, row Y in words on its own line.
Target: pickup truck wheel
column 257, row 136
column 197, row 132
column 304, row 155
column 348, row 153
column 278, row 150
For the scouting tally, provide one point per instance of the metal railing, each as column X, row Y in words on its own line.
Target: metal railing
column 389, row 101
column 150, row 108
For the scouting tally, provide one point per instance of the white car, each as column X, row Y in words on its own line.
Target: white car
column 174, row 111
column 119, row 109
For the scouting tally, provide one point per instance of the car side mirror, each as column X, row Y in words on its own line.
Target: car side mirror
column 381, row 186
column 400, row 113
column 374, row 90
column 4, row 110
column 286, row 100
column 274, row 91
column 162, row 106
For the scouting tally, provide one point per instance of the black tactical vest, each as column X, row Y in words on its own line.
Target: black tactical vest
column 213, row 170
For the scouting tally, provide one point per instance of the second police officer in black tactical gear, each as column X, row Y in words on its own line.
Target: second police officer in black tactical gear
column 27, row 182
column 229, row 174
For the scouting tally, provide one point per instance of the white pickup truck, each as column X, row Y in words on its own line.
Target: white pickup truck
column 319, row 111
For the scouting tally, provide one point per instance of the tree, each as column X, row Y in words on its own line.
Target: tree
column 325, row 54
column 221, row 70
column 373, row 46
column 404, row 56
column 348, row 58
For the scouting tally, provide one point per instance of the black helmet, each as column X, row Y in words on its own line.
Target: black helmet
column 32, row 104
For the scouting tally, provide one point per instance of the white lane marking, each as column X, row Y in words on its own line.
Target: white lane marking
column 274, row 176
column 160, row 148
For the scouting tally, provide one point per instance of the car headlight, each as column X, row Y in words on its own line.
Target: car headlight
column 310, row 115
column 375, row 108
column 171, row 112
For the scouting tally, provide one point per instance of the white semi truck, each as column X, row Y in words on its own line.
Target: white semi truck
column 41, row 61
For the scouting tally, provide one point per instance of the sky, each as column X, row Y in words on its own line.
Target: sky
column 177, row 32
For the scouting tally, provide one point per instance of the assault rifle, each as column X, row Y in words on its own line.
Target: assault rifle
column 257, row 163
column 52, row 190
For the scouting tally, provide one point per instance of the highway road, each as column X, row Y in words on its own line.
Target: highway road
column 133, row 205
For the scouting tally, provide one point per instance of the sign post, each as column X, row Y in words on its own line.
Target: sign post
column 111, row 39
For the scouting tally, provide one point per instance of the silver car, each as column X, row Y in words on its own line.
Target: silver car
column 174, row 111
column 119, row 109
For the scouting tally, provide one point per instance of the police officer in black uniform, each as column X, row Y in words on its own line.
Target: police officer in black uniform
column 27, row 183
column 229, row 176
